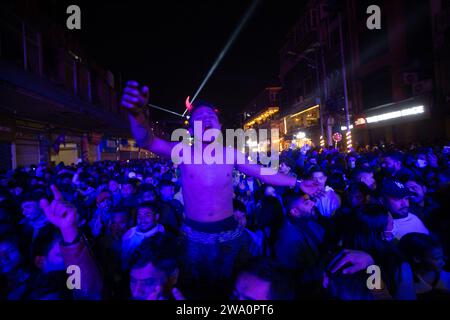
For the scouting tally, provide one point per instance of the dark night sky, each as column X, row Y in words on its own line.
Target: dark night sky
column 170, row 45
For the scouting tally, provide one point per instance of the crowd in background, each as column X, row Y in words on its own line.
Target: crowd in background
column 120, row 222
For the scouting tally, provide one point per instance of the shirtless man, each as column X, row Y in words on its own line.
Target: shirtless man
column 214, row 241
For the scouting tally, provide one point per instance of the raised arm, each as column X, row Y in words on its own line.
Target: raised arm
column 74, row 247
column 133, row 100
column 271, row 176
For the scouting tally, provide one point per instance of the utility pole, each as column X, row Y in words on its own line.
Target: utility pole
column 344, row 79
column 319, row 100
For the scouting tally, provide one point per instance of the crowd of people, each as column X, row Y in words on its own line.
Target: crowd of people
column 122, row 223
column 325, row 224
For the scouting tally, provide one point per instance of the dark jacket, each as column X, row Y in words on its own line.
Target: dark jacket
column 80, row 255
column 298, row 243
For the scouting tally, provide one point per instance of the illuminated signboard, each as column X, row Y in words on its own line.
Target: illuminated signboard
column 396, row 114
column 360, row 121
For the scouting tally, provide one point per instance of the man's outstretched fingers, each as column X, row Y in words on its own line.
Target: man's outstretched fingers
column 340, row 263
column 145, row 92
column 333, row 261
column 132, row 83
column 132, row 92
column 56, row 193
column 130, row 99
column 126, row 104
column 351, row 269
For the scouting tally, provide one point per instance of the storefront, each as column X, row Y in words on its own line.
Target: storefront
column 109, row 149
column 301, row 128
column 68, row 153
column 26, row 149
column 128, row 150
column 295, row 141
column 400, row 123
column 7, row 135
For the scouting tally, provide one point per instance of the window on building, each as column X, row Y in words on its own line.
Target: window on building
column 314, row 16
column 50, row 63
column 11, row 48
column 33, row 50
column 84, row 82
column 113, row 100
column 69, row 74
column 101, row 93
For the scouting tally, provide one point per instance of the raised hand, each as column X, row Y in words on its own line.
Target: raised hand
column 62, row 214
column 134, row 98
column 310, row 187
column 350, row 262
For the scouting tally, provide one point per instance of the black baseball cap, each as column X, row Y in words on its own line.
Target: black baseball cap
column 394, row 188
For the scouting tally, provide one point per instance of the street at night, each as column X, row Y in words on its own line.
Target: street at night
column 219, row 151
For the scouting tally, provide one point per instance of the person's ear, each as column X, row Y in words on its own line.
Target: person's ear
column 424, row 189
column 39, row 262
column 157, row 217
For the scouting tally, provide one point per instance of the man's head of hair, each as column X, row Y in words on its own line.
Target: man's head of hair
column 280, row 286
column 359, row 171
column 161, row 250
column 202, row 104
column 290, row 197
column 312, row 170
column 151, row 205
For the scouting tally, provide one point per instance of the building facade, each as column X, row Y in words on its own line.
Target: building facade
column 262, row 113
column 300, row 78
column 56, row 104
column 390, row 85
column 396, row 92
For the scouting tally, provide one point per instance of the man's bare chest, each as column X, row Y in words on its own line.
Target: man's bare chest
column 206, row 175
